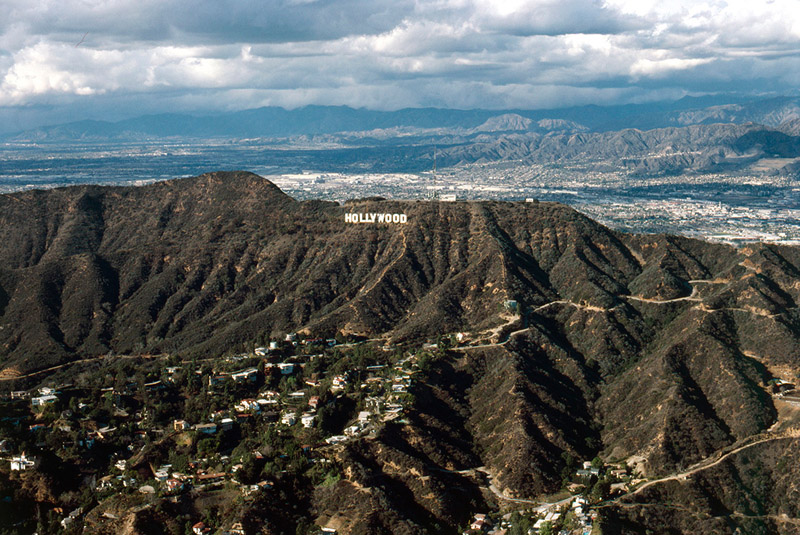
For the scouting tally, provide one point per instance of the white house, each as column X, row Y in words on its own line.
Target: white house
column 23, row 462
column 248, row 375
column 289, row 418
column 41, row 401
column 339, row 382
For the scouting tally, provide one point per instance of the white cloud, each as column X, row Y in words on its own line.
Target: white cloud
column 390, row 53
column 663, row 67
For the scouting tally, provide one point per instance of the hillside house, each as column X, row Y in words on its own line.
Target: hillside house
column 66, row 522
column 618, row 473
column 23, row 462
column 289, row 418
column 216, row 380
column 235, row 529
column 174, row 485
column 480, row 523
column 250, row 375
column 180, row 425
column 248, row 405
column 41, row 401
column 286, row 368
column 162, row 473
column 267, row 403
column 339, row 383
column 206, row 429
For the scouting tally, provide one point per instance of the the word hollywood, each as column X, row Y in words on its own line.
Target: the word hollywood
column 375, row 218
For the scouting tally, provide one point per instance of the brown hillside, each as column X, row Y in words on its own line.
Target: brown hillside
column 627, row 345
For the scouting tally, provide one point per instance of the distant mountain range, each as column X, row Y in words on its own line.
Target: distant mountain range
column 273, row 122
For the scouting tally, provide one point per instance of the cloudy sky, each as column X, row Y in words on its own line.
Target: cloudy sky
column 72, row 59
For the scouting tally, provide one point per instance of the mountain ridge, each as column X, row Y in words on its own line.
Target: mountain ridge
column 649, row 348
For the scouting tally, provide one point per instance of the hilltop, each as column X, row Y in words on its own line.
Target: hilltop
column 576, row 341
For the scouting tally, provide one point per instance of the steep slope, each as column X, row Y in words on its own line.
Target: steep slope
column 158, row 268
column 653, row 348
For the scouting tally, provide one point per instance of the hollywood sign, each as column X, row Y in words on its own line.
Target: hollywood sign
column 376, row 218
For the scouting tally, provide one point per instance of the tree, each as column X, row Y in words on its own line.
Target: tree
column 601, row 490
column 179, row 461
column 207, row 446
column 519, row 524
column 250, row 470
